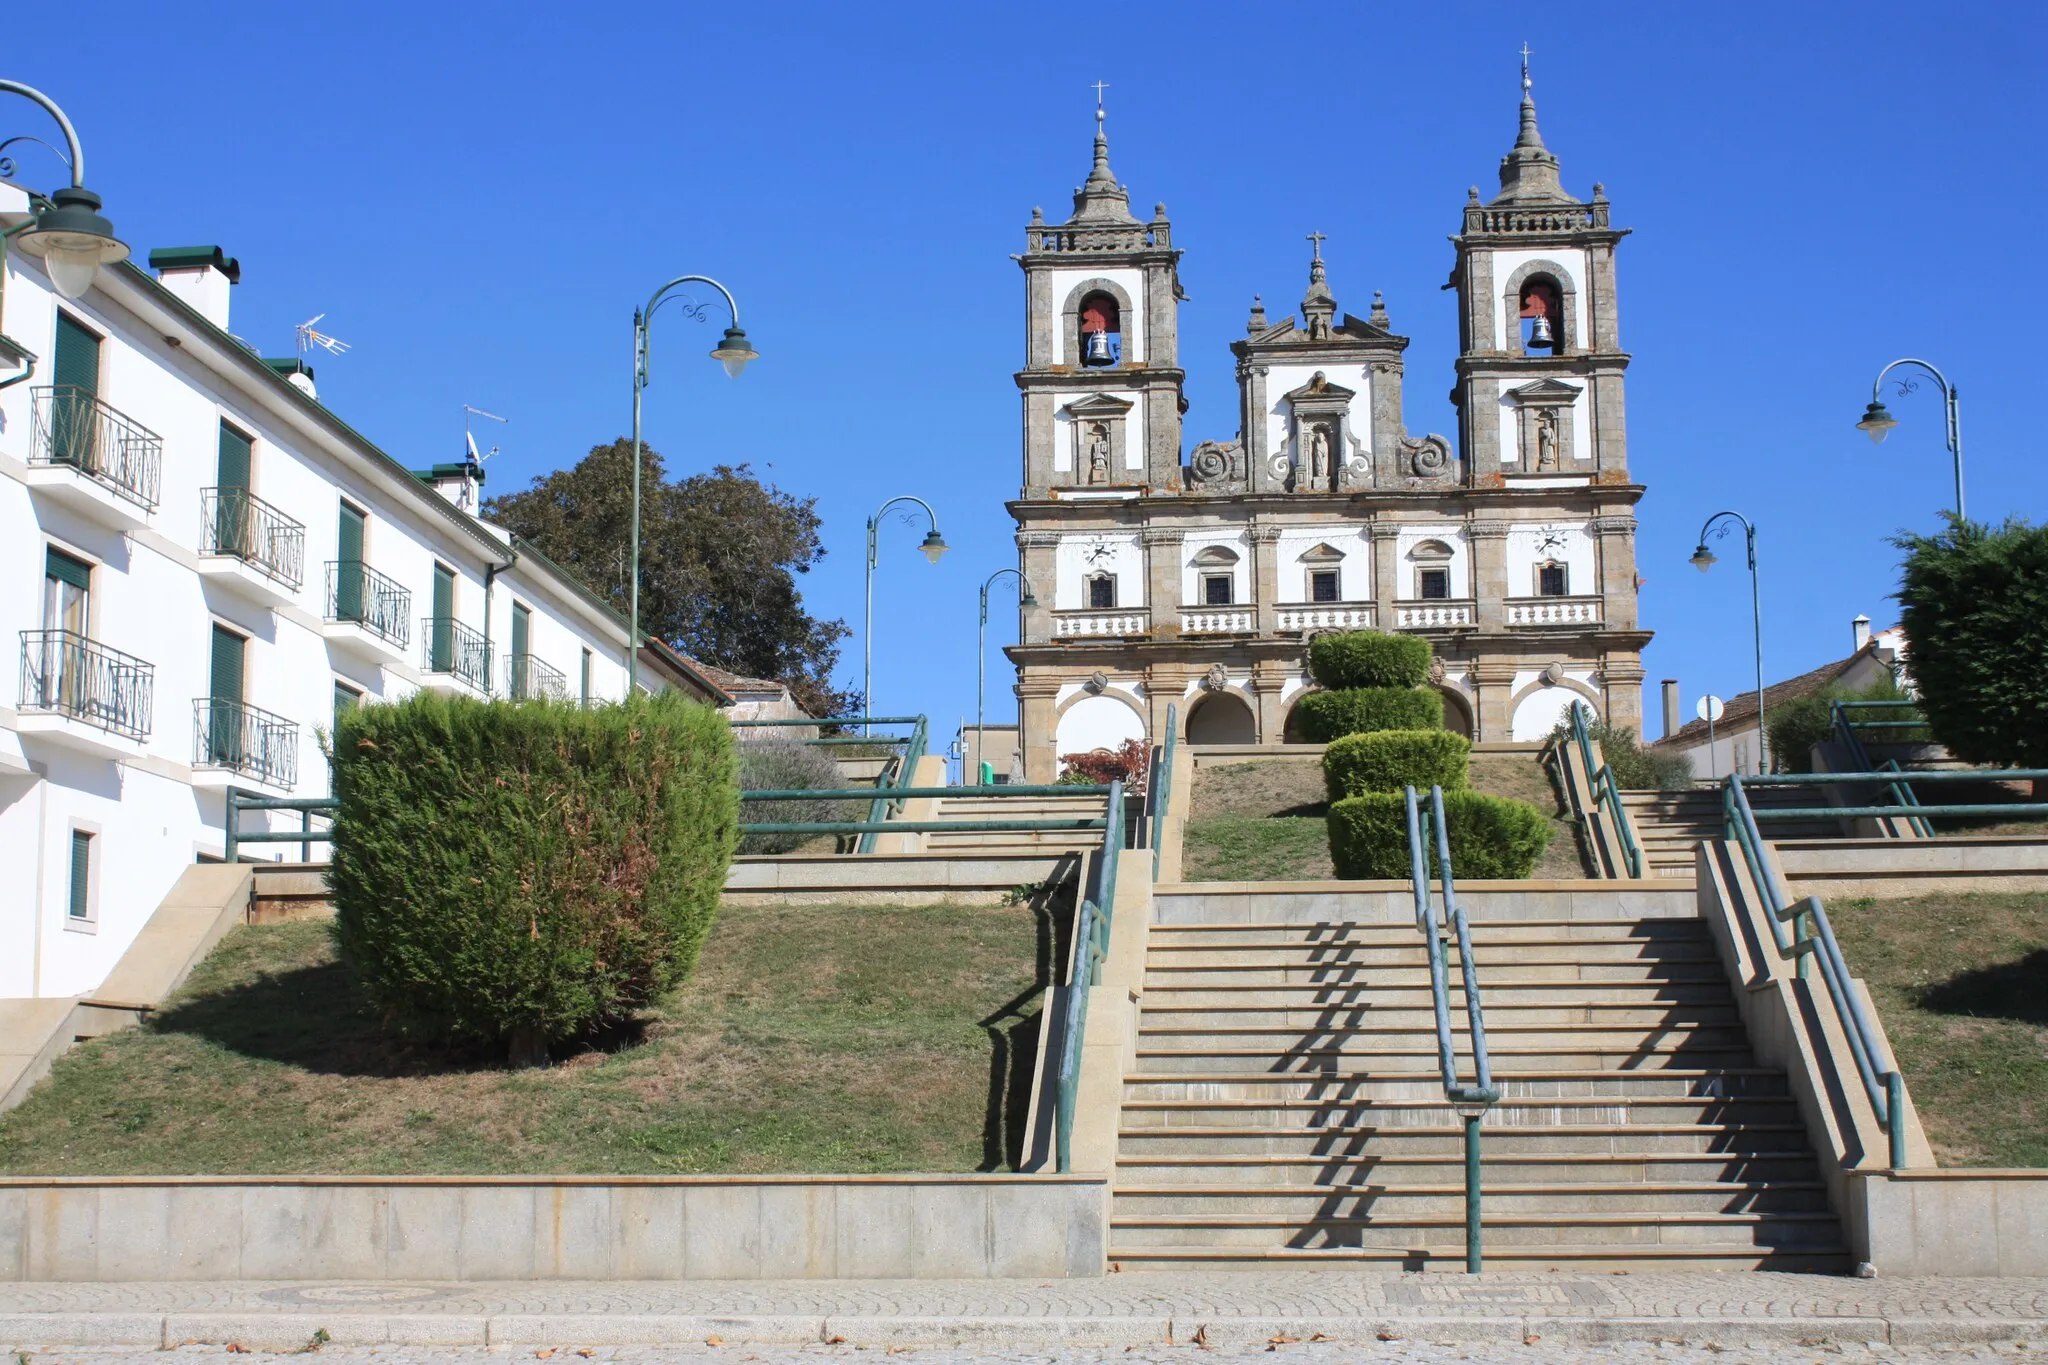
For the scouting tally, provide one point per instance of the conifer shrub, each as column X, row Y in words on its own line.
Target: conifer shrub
column 527, row 872
column 1388, row 760
column 1490, row 836
column 1368, row 658
column 1326, row 716
column 788, row 765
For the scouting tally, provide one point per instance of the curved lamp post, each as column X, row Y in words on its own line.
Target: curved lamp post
column 733, row 352
column 1704, row 559
column 981, row 655
column 1877, row 422
column 69, row 236
column 933, row 546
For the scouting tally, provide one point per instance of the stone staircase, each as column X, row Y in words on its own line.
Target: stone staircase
column 1668, row 825
column 1016, row 808
column 1286, row 1106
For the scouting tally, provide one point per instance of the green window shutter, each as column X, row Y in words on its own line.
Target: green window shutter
column 231, row 511
column 224, row 716
column 81, row 874
column 235, row 451
column 75, row 381
column 442, row 644
column 586, row 677
column 348, row 570
column 522, row 630
column 62, row 567
column 77, row 362
column 228, row 653
column 350, row 535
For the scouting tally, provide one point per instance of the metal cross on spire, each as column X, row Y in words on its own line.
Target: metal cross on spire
column 1316, row 239
column 1525, row 70
column 1100, row 86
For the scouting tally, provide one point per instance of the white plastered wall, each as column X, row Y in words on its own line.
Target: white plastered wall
column 1080, row 555
column 1097, row 722
column 1354, row 573
column 1192, row 573
column 1570, row 543
column 1538, row 713
column 1453, row 536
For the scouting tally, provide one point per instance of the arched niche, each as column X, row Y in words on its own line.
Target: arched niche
column 1539, row 709
column 1098, row 291
column 1222, row 718
column 1457, row 713
column 1103, row 721
column 1514, row 296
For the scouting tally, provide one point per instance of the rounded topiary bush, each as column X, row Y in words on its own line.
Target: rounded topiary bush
column 1490, row 836
column 1369, row 658
column 530, row 872
column 1326, row 716
column 787, row 765
column 1388, row 760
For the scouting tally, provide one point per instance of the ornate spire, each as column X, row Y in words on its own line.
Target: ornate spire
column 1100, row 199
column 1528, row 173
column 1256, row 323
column 1318, row 305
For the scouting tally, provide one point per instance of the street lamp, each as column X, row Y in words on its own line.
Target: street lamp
column 1025, row 600
column 1877, row 421
column 733, row 352
column 933, row 546
column 68, row 234
column 1704, row 559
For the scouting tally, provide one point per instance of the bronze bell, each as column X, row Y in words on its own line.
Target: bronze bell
column 1098, row 350
column 1539, row 335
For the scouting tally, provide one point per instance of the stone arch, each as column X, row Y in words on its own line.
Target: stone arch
column 1290, row 728
column 1224, row 716
column 1070, row 320
column 1534, row 722
column 1081, row 725
column 1458, row 717
column 1567, row 304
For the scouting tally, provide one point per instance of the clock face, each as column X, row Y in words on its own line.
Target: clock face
column 1097, row 554
column 1552, row 542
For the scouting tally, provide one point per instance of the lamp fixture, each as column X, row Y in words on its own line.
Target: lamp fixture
column 1877, row 422
column 934, row 545
column 1703, row 559
column 733, row 352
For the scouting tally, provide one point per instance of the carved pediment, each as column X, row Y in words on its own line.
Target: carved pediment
column 1544, row 393
column 1099, row 405
column 1290, row 332
column 1319, row 388
column 1325, row 553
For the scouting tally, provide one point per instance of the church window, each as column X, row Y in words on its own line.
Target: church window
column 1542, row 321
column 1216, row 590
column 1432, row 569
column 1433, row 584
column 1102, row 591
column 1101, row 330
column 1322, row 586
column 1552, row 580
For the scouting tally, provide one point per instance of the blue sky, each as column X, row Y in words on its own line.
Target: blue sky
column 478, row 196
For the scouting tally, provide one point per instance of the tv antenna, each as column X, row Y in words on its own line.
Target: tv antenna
column 470, row 436
column 309, row 337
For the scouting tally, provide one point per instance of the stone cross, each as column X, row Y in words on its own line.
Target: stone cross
column 1317, row 239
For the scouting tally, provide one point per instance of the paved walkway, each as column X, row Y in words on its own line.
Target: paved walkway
column 1129, row 1313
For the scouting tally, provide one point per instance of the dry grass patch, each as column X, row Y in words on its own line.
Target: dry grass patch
column 1961, row 983
column 821, row 1039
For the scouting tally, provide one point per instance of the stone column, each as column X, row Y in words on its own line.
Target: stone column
column 1617, row 545
column 1386, row 571
column 1164, row 686
column 1269, row 679
column 1265, row 576
column 1490, row 587
column 1621, row 685
column 1035, row 552
column 1495, row 681
column 1162, row 579
column 1036, row 732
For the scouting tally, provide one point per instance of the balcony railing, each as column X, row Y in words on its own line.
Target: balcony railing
column 455, row 649
column 1100, row 622
column 1218, row 621
column 358, row 594
column 1437, row 614
column 529, row 678
column 245, row 739
column 237, row 523
column 75, row 429
column 1325, row 616
column 1553, row 611
column 66, row 673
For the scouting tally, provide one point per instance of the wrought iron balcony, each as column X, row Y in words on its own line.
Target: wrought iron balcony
column 236, row 523
column 359, row 595
column 74, row 429
column 240, row 738
column 529, row 678
column 455, row 650
column 64, row 673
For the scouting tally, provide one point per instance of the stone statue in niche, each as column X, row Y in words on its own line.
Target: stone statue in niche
column 1098, row 454
column 1546, row 439
column 1318, row 456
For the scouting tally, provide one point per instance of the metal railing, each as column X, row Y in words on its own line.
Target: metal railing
column 358, row 595
column 1886, row 1091
column 528, row 677
column 236, row 523
column 1890, row 778
column 1607, row 792
column 886, row 826
column 900, row 770
column 240, row 738
column 64, row 672
column 74, row 428
column 305, row 836
column 1470, row 1101
column 1091, row 946
column 1846, row 727
column 455, row 649
column 1159, row 791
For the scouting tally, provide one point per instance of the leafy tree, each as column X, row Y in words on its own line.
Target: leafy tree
column 720, row 552
column 1976, row 614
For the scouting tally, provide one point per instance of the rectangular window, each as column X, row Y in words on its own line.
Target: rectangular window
column 586, row 677
column 231, row 531
column 441, row 640
column 80, row 906
column 75, row 383
column 1551, row 580
column 522, row 641
column 348, row 567
column 1322, row 586
column 67, row 591
column 1434, row 583
column 346, row 699
column 1102, row 592
column 224, row 723
column 1216, row 590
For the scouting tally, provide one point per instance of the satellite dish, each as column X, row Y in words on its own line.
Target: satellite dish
column 1709, row 709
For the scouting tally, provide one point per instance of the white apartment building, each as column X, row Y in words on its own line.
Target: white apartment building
column 199, row 565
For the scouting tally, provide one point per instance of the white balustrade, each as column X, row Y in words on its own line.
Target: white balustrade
column 1326, row 616
column 1433, row 615
column 1072, row 625
column 1226, row 621
column 1554, row 611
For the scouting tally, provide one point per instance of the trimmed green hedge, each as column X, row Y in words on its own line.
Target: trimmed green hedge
column 1368, row 658
column 1326, row 716
column 1490, row 836
column 1388, row 760
column 528, row 871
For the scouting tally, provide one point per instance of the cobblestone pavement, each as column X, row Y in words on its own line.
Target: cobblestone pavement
column 1319, row 1317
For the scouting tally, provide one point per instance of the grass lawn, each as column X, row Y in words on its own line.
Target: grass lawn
column 1961, row 983
column 1264, row 821
column 817, row 1039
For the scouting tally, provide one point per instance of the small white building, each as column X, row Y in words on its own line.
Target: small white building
column 200, row 564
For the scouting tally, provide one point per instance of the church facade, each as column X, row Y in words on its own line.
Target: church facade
column 1198, row 582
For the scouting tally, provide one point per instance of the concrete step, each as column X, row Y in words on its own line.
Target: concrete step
column 1195, row 1056
column 1819, row 1257
column 1617, row 1231
column 1377, row 1202
column 1577, row 1084
column 1413, row 991
column 1313, row 1114
column 1304, row 904
column 1403, row 932
column 1146, row 1142
column 1364, row 1040
column 1447, row 1168
column 1500, row 1015
column 1615, row 961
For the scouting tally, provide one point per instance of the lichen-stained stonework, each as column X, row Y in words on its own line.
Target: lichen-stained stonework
column 1159, row 583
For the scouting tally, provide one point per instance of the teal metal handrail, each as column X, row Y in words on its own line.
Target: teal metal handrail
column 1470, row 1101
column 305, row 836
column 1606, row 792
column 1091, row 947
column 1845, row 728
column 1160, row 789
column 1886, row 1091
column 1890, row 778
column 901, row 773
